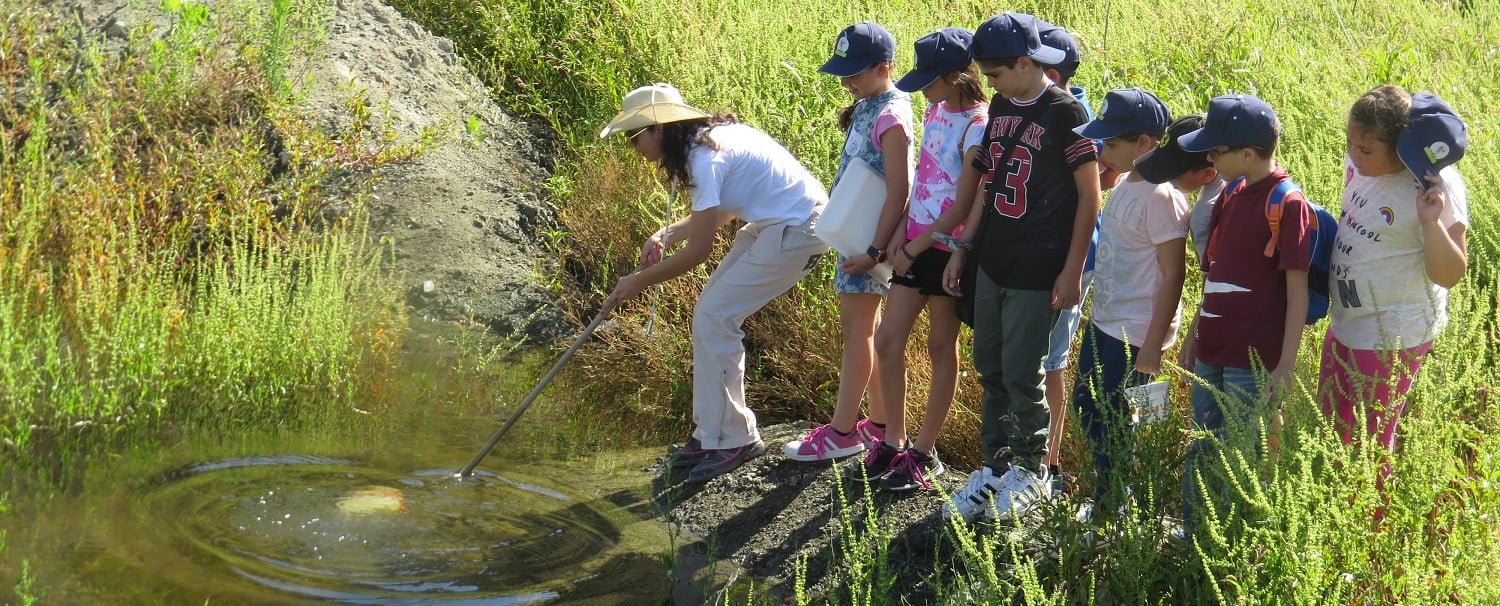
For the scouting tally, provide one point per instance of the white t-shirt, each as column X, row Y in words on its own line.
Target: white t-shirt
column 752, row 177
column 1138, row 217
column 939, row 163
column 1380, row 296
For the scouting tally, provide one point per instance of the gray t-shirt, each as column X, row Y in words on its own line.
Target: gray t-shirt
column 1203, row 211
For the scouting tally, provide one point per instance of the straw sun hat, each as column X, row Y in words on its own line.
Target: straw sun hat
column 658, row 103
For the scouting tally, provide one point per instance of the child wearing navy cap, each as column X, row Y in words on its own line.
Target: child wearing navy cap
column 1400, row 246
column 952, row 129
column 1190, row 173
column 1255, row 286
column 879, row 133
column 1030, row 234
column 1137, row 283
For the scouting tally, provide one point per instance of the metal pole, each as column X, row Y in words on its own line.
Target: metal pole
column 531, row 397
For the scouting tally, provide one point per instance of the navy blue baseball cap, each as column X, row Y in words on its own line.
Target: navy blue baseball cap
column 938, row 53
column 1434, row 137
column 1235, row 120
column 1059, row 38
column 1127, row 110
column 858, row 47
column 1013, row 35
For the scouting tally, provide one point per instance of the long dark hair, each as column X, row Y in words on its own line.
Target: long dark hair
column 966, row 80
column 679, row 137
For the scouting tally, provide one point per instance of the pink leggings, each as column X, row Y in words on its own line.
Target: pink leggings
column 1353, row 377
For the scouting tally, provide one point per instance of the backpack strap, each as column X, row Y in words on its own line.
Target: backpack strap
column 1273, row 212
column 963, row 136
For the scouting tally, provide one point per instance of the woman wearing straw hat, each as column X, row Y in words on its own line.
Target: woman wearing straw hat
column 731, row 171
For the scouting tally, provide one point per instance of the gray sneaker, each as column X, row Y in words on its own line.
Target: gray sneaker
column 688, row 455
column 724, row 460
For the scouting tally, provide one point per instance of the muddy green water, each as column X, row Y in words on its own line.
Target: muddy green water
column 267, row 519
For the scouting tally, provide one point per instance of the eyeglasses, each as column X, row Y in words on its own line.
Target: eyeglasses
column 630, row 135
column 1217, row 152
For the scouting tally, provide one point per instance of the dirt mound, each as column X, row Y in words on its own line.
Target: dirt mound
column 467, row 215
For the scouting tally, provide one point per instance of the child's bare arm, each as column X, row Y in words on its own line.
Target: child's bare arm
column 895, row 145
column 1291, row 336
column 1444, row 251
column 1171, row 257
column 1069, row 284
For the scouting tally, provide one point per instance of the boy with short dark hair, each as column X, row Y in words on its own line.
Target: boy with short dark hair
column 1255, row 285
column 1040, row 200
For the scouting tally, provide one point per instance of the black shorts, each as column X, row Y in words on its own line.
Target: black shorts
column 926, row 274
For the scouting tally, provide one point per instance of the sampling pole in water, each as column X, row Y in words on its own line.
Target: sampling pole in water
column 531, row 397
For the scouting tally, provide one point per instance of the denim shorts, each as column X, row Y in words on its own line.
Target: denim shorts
column 1060, row 344
column 872, row 282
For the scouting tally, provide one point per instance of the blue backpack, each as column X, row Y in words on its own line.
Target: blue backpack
column 1322, row 233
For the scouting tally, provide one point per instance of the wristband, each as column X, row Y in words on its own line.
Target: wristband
column 906, row 254
column 878, row 254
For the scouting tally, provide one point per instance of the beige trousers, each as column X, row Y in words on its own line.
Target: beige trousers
column 764, row 262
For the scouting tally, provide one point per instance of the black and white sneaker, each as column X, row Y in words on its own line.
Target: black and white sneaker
column 912, row 470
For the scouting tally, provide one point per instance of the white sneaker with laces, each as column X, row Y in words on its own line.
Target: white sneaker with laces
column 1020, row 492
column 973, row 501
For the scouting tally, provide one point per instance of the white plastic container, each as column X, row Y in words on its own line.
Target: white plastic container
column 854, row 205
column 1148, row 403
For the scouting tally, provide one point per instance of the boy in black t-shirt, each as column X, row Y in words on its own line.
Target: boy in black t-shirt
column 1040, row 201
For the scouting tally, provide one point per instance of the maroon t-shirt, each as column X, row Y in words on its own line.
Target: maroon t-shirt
column 1244, row 292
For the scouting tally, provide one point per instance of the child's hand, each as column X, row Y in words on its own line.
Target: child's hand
column 651, row 251
column 896, row 257
column 627, row 288
column 1187, row 352
column 952, row 272
column 1065, row 291
column 1280, row 382
column 899, row 261
column 1431, row 201
column 1148, row 362
column 858, row 264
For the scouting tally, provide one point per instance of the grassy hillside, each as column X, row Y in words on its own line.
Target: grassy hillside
column 1303, row 535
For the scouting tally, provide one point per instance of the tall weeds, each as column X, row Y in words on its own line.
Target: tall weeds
column 160, row 259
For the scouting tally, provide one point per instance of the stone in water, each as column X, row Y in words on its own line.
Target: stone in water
column 373, row 500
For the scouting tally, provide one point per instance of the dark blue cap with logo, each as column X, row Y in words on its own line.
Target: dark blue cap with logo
column 938, row 53
column 1013, row 35
column 1434, row 137
column 1235, row 120
column 1127, row 110
column 858, row 47
column 1059, row 38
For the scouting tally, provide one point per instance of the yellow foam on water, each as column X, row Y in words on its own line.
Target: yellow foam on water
column 373, row 500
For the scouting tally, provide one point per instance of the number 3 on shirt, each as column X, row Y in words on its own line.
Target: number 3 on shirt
column 1010, row 194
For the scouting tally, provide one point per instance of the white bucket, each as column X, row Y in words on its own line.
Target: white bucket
column 1148, row 403
column 853, row 210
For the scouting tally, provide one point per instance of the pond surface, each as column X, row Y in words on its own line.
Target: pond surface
column 368, row 514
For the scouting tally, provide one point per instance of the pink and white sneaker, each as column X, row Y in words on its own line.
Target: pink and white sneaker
column 824, row 443
column 871, row 432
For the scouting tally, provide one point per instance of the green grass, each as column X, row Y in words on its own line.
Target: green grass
column 161, row 261
column 1299, row 532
